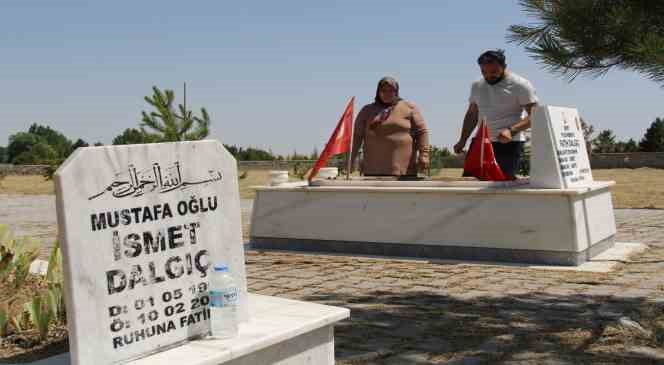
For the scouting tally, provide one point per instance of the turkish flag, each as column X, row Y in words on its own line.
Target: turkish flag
column 480, row 160
column 339, row 141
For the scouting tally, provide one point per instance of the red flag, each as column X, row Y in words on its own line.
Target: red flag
column 339, row 141
column 481, row 161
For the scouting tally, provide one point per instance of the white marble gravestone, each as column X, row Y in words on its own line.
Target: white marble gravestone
column 141, row 226
column 559, row 156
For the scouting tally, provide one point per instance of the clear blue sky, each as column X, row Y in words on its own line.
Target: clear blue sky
column 274, row 73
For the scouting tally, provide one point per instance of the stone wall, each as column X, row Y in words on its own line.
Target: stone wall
column 8, row 169
column 627, row 160
column 632, row 160
column 283, row 165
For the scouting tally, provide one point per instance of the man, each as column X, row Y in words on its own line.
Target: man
column 500, row 99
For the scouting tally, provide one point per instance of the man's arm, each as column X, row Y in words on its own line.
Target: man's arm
column 469, row 123
column 524, row 123
column 505, row 136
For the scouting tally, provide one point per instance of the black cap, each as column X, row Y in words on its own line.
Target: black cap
column 497, row 56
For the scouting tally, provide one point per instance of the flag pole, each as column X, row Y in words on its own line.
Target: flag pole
column 350, row 152
column 482, row 136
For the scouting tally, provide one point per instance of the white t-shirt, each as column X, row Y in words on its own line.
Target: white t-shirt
column 502, row 104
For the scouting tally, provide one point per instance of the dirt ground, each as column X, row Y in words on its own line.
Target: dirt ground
column 635, row 188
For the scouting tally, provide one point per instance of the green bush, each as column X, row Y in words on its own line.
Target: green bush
column 524, row 164
column 46, row 306
column 39, row 154
column 21, row 143
column 4, row 321
column 55, row 280
column 16, row 255
column 56, row 302
column 40, row 315
column 21, row 322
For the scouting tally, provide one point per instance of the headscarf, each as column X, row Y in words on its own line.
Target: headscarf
column 387, row 108
column 386, row 81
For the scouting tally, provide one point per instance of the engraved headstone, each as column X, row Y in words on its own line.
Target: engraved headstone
column 559, row 157
column 141, row 227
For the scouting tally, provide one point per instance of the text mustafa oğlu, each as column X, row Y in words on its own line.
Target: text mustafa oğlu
column 135, row 244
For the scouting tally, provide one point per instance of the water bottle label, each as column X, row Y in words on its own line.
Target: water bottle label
column 224, row 298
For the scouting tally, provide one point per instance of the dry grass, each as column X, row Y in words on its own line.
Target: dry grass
column 255, row 178
column 26, row 185
column 637, row 188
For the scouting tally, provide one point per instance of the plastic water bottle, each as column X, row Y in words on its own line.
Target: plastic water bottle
column 224, row 298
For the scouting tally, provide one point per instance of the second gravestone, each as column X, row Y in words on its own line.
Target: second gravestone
column 559, row 157
column 141, row 227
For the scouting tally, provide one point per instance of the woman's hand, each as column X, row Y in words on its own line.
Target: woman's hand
column 423, row 163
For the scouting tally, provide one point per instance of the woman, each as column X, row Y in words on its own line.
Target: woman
column 392, row 134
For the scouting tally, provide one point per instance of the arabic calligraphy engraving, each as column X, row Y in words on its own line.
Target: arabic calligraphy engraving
column 138, row 182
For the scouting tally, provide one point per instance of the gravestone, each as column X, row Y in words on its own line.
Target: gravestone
column 559, row 157
column 141, row 227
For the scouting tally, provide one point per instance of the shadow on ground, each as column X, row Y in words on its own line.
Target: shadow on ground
column 421, row 327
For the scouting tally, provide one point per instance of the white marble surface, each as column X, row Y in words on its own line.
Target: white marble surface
column 279, row 331
column 272, row 321
column 459, row 187
column 605, row 262
column 559, row 159
column 511, row 218
column 197, row 183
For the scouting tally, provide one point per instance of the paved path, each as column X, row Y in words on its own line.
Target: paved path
column 32, row 215
column 417, row 312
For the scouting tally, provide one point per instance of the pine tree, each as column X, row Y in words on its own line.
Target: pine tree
column 605, row 142
column 588, row 131
column 170, row 125
column 314, row 154
column 135, row 136
column 79, row 143
column 653, row 140
column 631, row 146
column 572, row 37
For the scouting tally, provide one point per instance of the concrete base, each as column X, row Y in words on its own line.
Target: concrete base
column 434, row 252
column 280, row 332
column 468, row 220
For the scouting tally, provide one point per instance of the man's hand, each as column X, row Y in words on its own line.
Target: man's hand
column 505, row 136
column 458, row 148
